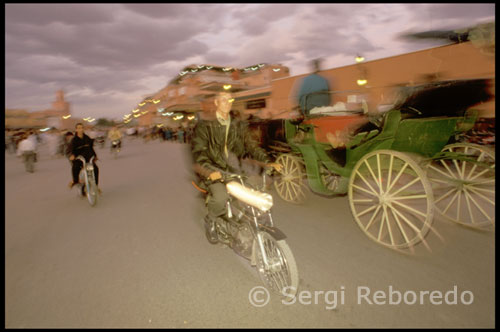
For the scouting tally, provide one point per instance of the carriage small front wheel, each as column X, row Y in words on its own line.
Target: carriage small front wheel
column 391, row 198
column 291, row 183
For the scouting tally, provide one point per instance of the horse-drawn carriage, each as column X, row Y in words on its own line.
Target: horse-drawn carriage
column 399, row 167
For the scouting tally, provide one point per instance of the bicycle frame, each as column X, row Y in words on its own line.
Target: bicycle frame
column 255, row 226
column 88, row 171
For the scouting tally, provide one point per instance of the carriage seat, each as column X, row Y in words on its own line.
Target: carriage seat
column 389, row 127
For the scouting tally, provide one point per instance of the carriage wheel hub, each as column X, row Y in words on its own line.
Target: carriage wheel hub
column 385, row 199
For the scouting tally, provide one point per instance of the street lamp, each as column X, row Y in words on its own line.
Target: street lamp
column 362, row 81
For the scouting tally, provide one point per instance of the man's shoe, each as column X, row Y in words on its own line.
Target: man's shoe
column 210, row 231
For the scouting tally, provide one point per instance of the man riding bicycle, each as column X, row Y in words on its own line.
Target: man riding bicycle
column 115, row 135
column 82, row 145
column 220, row 143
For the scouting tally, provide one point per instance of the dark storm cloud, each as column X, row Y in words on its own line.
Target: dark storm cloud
column 181, row 11
column 40, row 14
column 256, row 19
column 121, row 44
column 462, row 11
column 439, row 15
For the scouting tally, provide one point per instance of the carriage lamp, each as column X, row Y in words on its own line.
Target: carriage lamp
column 227, row 86
column 362, row 82
column 259, row 200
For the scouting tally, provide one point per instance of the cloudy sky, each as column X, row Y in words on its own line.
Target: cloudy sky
column 107, row 57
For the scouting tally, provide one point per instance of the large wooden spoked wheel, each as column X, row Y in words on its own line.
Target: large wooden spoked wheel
column 465, row 190
column 391, row 198
column 291, row 183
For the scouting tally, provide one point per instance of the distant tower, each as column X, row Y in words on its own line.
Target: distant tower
column 60, row 105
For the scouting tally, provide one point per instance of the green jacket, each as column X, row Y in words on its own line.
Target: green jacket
column 207, row 146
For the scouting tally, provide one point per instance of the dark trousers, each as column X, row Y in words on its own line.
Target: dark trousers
column 218, row 199
column 76, row 168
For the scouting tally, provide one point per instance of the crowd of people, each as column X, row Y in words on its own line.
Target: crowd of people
column 58, row 140
column 180, row 134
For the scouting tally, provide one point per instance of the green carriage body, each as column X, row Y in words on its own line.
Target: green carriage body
column 425, row 137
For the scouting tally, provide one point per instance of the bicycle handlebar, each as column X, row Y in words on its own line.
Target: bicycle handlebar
column 80, row 157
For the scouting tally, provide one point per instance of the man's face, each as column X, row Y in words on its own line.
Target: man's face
column 79, row 129
column 224, row 102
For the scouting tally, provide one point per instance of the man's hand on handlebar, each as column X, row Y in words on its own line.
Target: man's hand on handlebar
column 72, row 157
column 214, row 176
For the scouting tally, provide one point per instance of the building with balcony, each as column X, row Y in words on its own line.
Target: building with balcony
column 191, row 94
column 269, row 92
